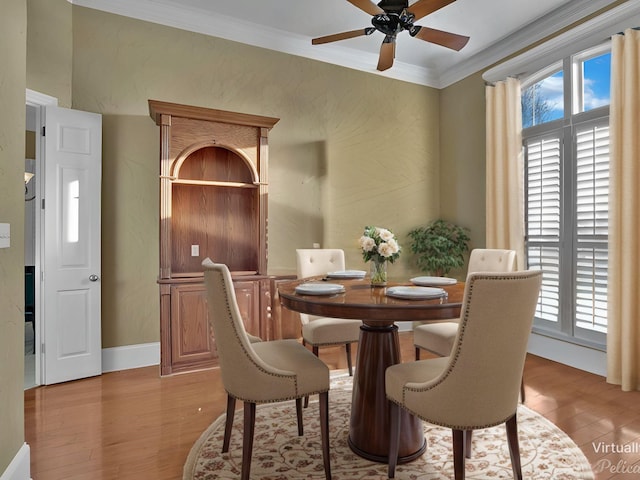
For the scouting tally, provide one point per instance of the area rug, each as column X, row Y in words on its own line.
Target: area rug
column 280, row 454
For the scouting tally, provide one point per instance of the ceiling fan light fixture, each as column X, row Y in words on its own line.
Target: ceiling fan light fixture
column 391, row 17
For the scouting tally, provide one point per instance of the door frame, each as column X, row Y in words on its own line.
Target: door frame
column 38, row 100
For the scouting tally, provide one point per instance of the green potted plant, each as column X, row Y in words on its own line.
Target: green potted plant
column 439, row 246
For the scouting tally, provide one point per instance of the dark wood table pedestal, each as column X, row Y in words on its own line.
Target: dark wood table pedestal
column 378, row 349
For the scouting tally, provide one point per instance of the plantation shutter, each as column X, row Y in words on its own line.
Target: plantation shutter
column 592, row 213
column 543, row 159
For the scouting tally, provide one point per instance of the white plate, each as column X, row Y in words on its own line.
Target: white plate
column 410, row 292
column 433, row 281
column 347, row 274
column 313, row 288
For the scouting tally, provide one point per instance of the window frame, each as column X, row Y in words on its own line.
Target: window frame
column 566, row 327
column 578, row 60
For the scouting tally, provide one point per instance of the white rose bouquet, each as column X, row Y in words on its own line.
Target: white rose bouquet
column 380, row 245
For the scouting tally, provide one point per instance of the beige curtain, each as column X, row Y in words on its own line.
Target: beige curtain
column 505, row 169
column 623, row 332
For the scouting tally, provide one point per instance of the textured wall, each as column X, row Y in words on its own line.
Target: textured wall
column 49, row 48
column 462, row 168
column 13, row 24
column 350, row 149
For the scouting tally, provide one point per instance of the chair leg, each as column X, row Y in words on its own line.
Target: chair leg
column 349, row 366
column 299, row 415
column 522, row 398
column 468, row 434
column 417, row 353
column 247, row 442
column 231, row 410
column 458, row 454
column 394, row 438
column 514, row 447
column 316, row 353
column 324, row 433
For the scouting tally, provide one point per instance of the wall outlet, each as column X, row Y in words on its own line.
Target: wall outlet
column 316, row 245
column 195, row 250
column 5, row 235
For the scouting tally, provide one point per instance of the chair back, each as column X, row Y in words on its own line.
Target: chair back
column 241, row 369
column 317, row 261
column 491, row 260
column 481, row 382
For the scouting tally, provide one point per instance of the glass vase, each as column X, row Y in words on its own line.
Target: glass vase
column 378, row 273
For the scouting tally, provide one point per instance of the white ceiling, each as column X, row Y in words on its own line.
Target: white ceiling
column 497, row 29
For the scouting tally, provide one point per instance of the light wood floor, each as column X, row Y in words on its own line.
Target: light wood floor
column 135, row 425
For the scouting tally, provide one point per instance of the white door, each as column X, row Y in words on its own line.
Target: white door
column 71, row 296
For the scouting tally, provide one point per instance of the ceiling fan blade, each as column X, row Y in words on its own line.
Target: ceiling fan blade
column 343, row 36
column 387, row 53
column 423, row 8
column 446, row 39
column 367, row 6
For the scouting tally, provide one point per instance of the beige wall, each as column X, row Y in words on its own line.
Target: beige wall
column 49, row 48
column 350, row 149
column 13, row 23
column 462, row 166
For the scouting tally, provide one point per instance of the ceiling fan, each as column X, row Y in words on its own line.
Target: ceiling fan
column 392, row 17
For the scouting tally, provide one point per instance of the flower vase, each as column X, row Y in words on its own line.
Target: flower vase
column 378, row 273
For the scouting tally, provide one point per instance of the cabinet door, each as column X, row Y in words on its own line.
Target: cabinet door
column 191, row 342
column 248, row 298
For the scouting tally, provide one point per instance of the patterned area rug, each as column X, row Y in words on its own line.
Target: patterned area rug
column 279, row 454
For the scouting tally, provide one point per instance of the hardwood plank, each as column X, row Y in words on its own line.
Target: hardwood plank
column 135, row 424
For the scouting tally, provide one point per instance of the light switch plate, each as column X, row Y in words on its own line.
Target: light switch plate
column 195, row 250
column 5, row 235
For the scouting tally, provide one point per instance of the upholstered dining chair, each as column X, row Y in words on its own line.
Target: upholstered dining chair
column 438, row 337
column 477, row 386
column 324, row 331
column 260, row 372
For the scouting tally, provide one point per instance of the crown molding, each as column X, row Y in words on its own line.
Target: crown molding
column 545, row 26
column 197, row 20
column 582, row 37
column 228, row 28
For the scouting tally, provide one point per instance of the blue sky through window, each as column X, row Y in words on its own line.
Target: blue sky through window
column 597, row 81
column 552, row 91
column 544, row 101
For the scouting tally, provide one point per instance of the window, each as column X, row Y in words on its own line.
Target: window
column 565, row 111
column 544, row 100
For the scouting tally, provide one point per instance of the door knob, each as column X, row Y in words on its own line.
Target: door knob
column 94, row 278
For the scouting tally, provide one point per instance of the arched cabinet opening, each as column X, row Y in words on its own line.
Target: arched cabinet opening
column 215, row 187
column 213, row 203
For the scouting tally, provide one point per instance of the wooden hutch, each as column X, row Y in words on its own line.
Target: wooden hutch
column 213, row 203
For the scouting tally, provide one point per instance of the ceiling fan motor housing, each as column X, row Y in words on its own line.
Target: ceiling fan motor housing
column 389, row 24
column 393, row 6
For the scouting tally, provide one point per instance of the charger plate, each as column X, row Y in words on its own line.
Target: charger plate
column 433, row 281
column 417, row 293
column 347, row 274
column 319, row 288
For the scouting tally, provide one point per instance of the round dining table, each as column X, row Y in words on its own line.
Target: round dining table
column 378, row 349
